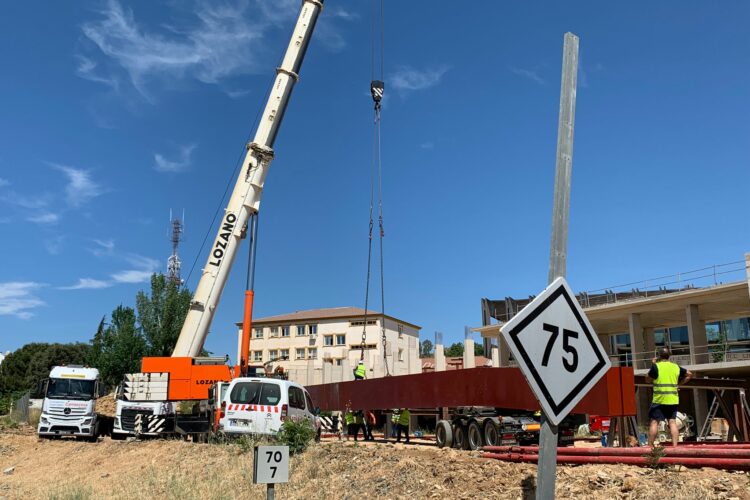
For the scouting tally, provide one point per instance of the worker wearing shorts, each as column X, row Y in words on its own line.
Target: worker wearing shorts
column 665, row 377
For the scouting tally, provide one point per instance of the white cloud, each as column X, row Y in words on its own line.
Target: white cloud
column 25, row 202
column 144, row 268
column 54, row 244
column 88, row 284
column 182, row 162
column 132, row 276
column 18, row 299
column 81, row 188
column 410, row 79
column 44, row 218
column 220, row 41
column 103, row 247
column 527, row 73
column 427, row 145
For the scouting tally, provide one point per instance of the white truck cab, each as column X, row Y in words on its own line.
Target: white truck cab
column 257, row 405
column 69, row 407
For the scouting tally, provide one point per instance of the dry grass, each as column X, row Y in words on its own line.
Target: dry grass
column 180, row 470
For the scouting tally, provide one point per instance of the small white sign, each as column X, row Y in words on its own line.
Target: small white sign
column 557, row 349
column 271, row 464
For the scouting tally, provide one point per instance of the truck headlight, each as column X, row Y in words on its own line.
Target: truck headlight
column 87, row 421
column 117, row 422
column 523, row 427
column 44, row 420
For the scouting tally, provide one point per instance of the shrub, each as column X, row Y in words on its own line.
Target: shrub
column 296, row 434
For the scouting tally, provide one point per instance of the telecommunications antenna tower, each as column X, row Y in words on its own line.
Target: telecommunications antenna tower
column 174, row 264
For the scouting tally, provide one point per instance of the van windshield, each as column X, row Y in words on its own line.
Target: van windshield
column 255, row 393
column 70, row 388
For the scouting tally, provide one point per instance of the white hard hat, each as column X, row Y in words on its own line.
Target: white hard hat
column 361, row 362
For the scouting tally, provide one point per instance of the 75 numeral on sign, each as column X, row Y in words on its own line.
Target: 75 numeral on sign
column 567, row 335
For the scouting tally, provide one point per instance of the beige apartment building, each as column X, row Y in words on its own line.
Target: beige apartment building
column 324, row 345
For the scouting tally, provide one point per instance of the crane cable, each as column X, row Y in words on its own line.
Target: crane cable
column 377, row 88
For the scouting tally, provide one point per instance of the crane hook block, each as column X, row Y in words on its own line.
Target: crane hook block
column 376, row 88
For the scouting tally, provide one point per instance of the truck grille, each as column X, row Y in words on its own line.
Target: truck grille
column 127, row 418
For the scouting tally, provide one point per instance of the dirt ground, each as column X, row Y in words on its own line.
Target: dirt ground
column 65, row 469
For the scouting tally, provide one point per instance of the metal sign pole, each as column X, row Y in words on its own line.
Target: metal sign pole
column 547, row 465
column 270, row 492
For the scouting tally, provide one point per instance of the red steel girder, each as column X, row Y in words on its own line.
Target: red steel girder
column 613, row 395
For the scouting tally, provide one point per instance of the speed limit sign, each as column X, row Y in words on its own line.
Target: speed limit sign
column 557, row 349
column 271, row 464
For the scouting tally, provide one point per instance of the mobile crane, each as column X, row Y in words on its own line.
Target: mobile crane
column 146, row 402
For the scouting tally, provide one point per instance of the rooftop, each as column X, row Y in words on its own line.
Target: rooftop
column 348, row 312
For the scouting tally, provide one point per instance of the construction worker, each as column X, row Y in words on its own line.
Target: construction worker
column 360, row 372
column 359, row 423
column 370, row 422
column 349, row 420
column 394, row 422
column 666, row 377
column 403, row 425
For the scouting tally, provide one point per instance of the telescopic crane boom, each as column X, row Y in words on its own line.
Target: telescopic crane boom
column 245, row 200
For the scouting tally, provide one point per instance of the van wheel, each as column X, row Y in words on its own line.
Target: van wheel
column 444, row 434
column 491, row 434
column 474, row 436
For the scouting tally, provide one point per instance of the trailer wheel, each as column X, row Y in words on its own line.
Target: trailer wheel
column 459, row 437
column 444, row 434
column 491, row 434
column 116, row 436
column 474, row 436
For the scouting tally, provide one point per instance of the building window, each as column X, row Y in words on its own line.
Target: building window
column 257, row 355
column 400, row 331
column 362, row 323
column 313, row 329
column 312, row 353
column 274, row 331
column 300, row 330
column 339, row 362
column 259, row 333
column 300, row 353
column 400, row 354
column 285, row 354
column 285, row 331
column 328, row 340
column 273, row 355
column 340, row 339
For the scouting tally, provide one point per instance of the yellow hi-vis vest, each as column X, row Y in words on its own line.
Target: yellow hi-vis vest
column 665, row 385
column 360, row 371
column 349, row 418
column 403, row 418
column 394, row 417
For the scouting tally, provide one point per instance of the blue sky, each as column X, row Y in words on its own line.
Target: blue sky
column 111, row 114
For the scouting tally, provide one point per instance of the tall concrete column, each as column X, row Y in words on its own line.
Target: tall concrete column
column 649, row 342
column 468, row 348
column 495, row 350
column 696, row 336
column 504, row 351
column 636, row 340
column 439, row 352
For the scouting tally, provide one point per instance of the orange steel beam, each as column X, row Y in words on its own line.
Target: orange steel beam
column 613, row 395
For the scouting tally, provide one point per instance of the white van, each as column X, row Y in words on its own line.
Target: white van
column 257, row 405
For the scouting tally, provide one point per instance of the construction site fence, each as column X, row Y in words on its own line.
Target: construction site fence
column 20, row 410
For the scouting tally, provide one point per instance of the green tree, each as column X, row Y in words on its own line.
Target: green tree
column 24, row 368
column 455, row 349
column 426, row 349
column 161, row 314
column 120, row 346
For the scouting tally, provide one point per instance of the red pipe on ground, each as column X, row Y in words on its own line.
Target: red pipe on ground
column 623, row 452
column 719, row 463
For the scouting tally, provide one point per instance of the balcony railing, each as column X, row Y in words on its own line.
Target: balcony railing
column 707, row 354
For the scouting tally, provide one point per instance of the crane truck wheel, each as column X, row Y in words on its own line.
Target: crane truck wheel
column 444, row 434
column 474, row 435
column 459, row 437
column 491, row 434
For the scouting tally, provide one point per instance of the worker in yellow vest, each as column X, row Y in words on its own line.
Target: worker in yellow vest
column 360, row 372
column 350, row 425
column 665, row 377
column 403, row 425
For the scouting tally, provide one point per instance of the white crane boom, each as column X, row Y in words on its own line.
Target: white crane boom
column 245, row 199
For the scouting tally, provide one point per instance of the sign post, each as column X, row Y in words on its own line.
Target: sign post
column 270, row 466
